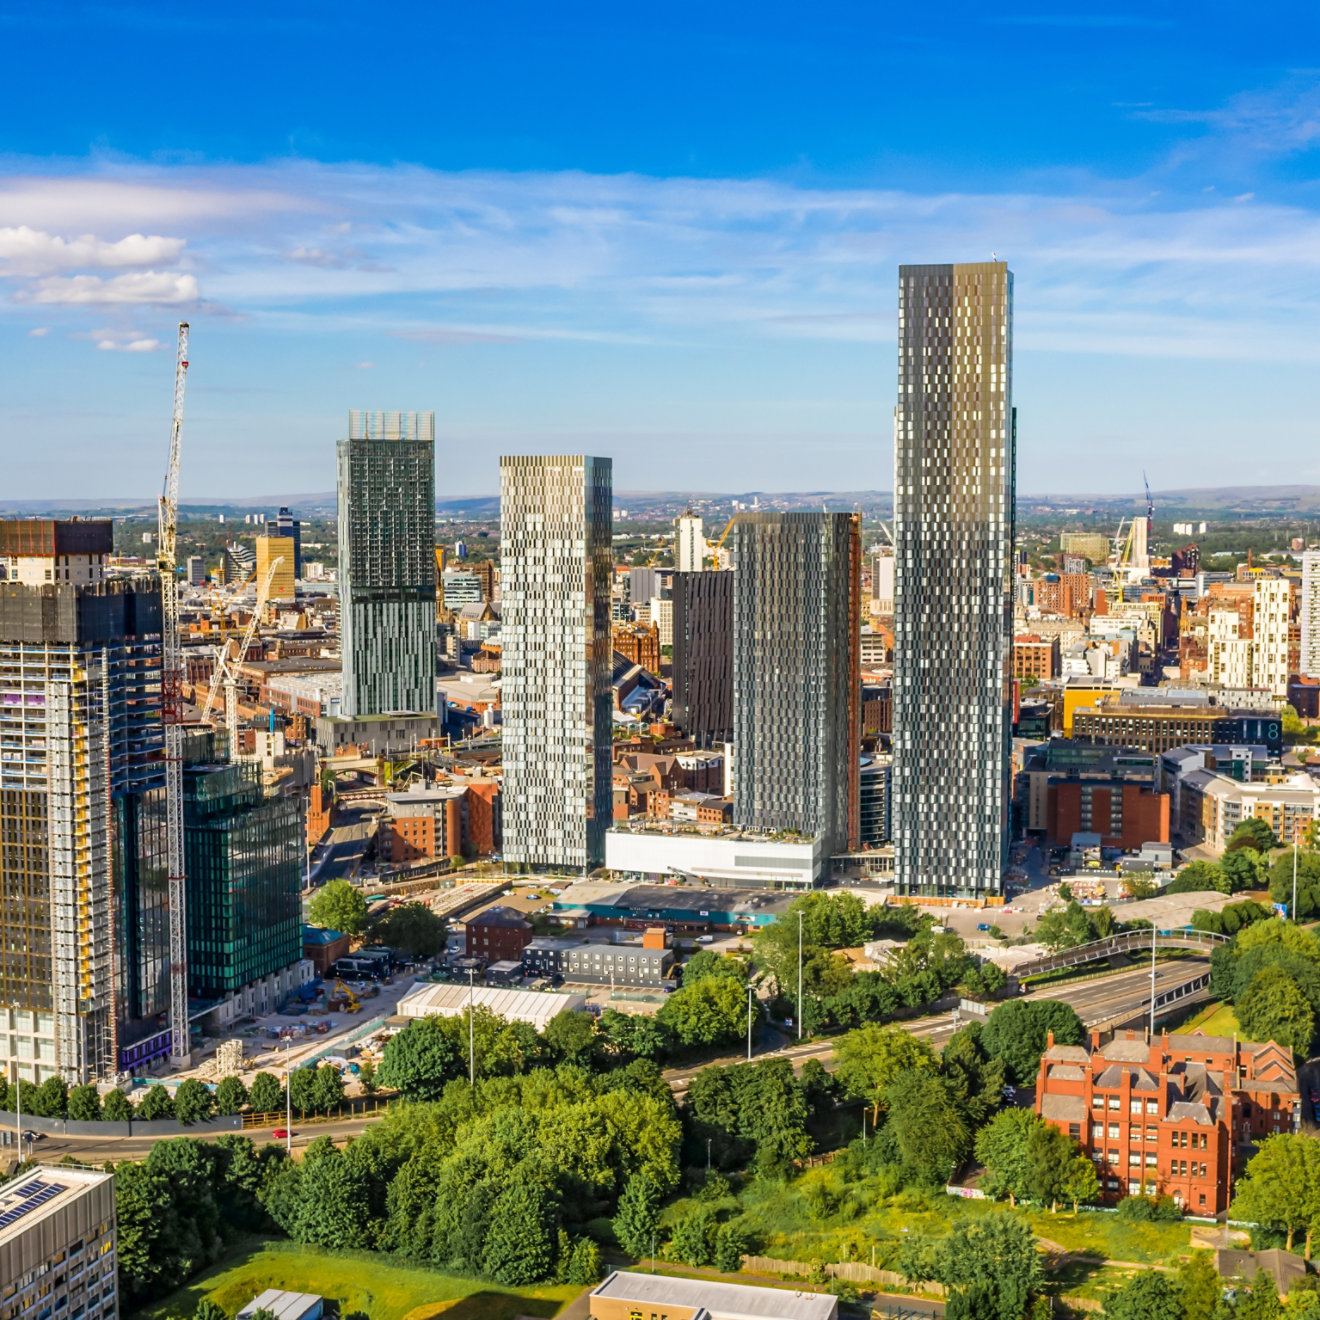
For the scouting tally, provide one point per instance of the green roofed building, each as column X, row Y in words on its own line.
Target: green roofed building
column 244, row 854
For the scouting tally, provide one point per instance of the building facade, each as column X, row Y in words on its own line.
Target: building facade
column 1152, row 728
column 1310, row 614
column 286, row 525
column 59, row 1245
column 84, row 922
column 275, row 556
column 954, row 474
column 244, row 856
column 556, row 554
column 797, row 674
column 690, row 545
column 703, row 657
column 386, row 479
column 1169, row 1116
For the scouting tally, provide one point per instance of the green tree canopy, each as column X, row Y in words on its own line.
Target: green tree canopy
column 1245, row 868
column 411, row 927
column 1274, row 1008
column 926, row 1125
column 267, row 1095
column 230, row 1095
column 193, row 1102
column 421, row 1059
column 1252, row 833
column 636, row 1224
column 1280, row 1187
column 339, row 906
column 573, row 1038
column 1146, row 1296
column 84, row 1104
column 870, row 1059
column 155, row 1104
column 990, row 1266
column 1197, row 876
column 1017, row 1033
column 712, row 1011
column 115, row 1108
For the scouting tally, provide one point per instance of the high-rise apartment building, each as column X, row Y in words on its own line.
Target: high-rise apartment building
column 797, row 674
column 286, row 525
column 387, row 562
column 703, row 657
column 954, row 459
column 1310, row 659
column 882, row 580
column 1271, row 618
column 555, row 564
column 690, row 545
column 196, row 571
column 275, row 556
column 84, row 918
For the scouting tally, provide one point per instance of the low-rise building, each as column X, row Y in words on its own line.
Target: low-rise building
column 1212, row 805
column 1159, row 728
column 323, row 948
column 628, row 1296
column 422, row 823
column 59, row 1245
column 535, row 1007
column 1174, row 1116
column 644, row 961
column 1035, row 657
column 730, row 856
column 498, row 934
column 687, row 908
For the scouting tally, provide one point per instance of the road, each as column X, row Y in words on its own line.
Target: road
column 347, row 842
column 1094, row 1001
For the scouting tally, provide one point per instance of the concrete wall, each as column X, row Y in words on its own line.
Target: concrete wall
column 160, row 1127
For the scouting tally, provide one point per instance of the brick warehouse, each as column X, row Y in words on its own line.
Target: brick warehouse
column 1124, row 815
column 1177, row 1115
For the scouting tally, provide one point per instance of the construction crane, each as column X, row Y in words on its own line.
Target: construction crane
column 226, row 673
column 171, row 698
column 717, row 546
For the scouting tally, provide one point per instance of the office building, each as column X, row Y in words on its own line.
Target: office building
column 238, row 563
column 644, row 961
column 1160, row 727
column 286, row 525
column 1089, row 545
column 555, row 546
column 690, row 549
column 387, row 562
column 661, row 615
column 704, row 656
column 196, row 571
column 459, row 588
column 84, row 925
column 882, row 580
column 954, row 454
column 244, row 855
column 1172, row 1117
column 643, row 583
column 1310, row 614
column 640, row 643
column 876, row 790
column 797, row 674
column 59, row 1245
column 275, row 557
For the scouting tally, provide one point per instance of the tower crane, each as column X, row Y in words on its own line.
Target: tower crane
column 227, row 670
column 171, row 695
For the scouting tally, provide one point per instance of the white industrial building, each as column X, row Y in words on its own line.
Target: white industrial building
column 536, row 1007
column 733, row 857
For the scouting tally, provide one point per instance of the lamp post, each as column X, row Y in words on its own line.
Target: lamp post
column 288, row 1097
column 1152, row 980
column 1293, row 912
column 472, row 1035
column 749, row 1022
column 799, row 1003
column 18, row 1089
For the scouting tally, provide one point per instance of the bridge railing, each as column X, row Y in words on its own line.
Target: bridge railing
column 1182, row 937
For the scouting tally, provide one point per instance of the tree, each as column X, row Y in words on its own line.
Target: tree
column 1200, row 1286
column 520, row 1246
column 267, row 1095
column 573, row 1038
column 52, row 1098
column 411, row 927
column 706, row 962
column 339, row 906
column 421, row 1060
column 1308, row 882
column 1136, row 885
column 367, row 1077
column 712, row 1011
column 1198, row 876
column 193, row 1102
column 116, row 1108
column 155, row 1104
column 1146, row 1296
column 990, row 1266
column 327, row 1088
column 926, row 1124
column 1252, row 833
column 1280, row 1187
column 230, row 1095
column 871, row 1058
column 636, row 1222
column 1244, row 869
column 1017, row 1033
column 84, row 1104
column 693, row 1238
column 208, row 1310
column 730, row 1246
column 1002, row 1147
column 1274, row 1008
column 585, row 1266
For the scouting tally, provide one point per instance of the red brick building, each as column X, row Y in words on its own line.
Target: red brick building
column 640, row 643
column 1124, row 815
column 1035, row 657
column 1064, row 593
column 1175, row 1116
column 499, row 934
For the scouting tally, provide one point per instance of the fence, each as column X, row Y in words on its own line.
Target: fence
column 340, row 1114
column 850, row 1271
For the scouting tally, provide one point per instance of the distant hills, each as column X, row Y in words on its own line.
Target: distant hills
column 1260, row 501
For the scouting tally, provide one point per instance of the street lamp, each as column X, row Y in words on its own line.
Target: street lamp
column 799, row 1003
column 18, row 1086
column 1293, row 913
column 749, row 1022
column 288, row 1097
column 472, row 1036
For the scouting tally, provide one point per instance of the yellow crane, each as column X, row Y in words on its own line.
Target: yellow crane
column 351, row 1004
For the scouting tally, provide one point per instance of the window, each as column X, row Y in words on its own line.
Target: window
column 1113, row 1102
column 1152, row 1106
column 1134, row 1106
column 1113, row 1132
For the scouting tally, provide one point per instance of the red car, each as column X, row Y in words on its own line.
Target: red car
column 281, row 1133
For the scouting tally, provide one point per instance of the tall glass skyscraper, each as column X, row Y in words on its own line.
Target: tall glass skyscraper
column 954, row 474
column 797, row 674
column 556, row 527
column 386, row 475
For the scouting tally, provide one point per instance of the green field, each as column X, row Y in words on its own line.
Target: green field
column 1213, row 1020
column 376, row 1285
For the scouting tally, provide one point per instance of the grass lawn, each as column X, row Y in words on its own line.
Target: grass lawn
column 375, row 1284
column 1213, row 1020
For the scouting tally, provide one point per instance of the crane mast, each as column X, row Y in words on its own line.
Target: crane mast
column 171, row 689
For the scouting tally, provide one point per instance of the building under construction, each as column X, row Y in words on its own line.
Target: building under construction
column 84, row 938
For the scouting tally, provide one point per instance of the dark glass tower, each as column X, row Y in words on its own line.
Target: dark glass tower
column 703, row 656
column 387, row 562
column 954, row 464
column 797, row 674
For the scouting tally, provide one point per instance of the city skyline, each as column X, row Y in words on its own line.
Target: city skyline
column 714, row 282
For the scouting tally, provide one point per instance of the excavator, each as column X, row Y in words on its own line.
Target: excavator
column 351, row 1004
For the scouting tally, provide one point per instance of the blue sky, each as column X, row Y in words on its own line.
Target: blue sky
column 664, row 233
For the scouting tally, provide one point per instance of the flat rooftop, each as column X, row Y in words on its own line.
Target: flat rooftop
column 724, row 1301
column 37, row 1194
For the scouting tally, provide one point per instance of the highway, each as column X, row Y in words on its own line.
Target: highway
column 347, row 843
column 1094, row 1001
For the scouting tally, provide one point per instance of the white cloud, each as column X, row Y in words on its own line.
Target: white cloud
column 365, row 366
column 129, row 345
column 146, row 287
column 38, row 331
column 27, row 251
